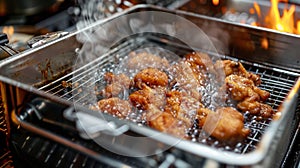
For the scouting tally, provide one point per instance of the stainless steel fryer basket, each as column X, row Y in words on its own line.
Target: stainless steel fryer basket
column 15, row 84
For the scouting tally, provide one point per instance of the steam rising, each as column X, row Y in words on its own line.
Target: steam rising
column 102, row 52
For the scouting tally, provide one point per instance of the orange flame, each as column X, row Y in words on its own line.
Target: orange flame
column 215, row 2
column 257, row 8
column 264, row 43
column 9, row 30
column 284, row 23
column 298, row 27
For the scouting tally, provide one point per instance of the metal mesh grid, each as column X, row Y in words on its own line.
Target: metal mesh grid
column 275, row 81
column 278, row 83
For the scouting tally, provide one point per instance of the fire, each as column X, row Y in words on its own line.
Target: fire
column 215, row 2
column 274, row 20
column 298, row 27
column 257, row 9
column 264, row 43
column 9, row 30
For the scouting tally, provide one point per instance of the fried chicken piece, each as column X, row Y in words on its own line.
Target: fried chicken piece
column 184, row 80
column 112, row 90
column 266, row 111
column 177, row 109
column 226, row 124
column 241, row 88
column 202, row 114
column 236, row 68
column 165, row 122
column 182, row 107
column 175, row 118
column 249, row 96
column 253, row 106
column 264, row 95
column 139, row 61
column 116, row 84
column 146, row 96
column 152, row 77
column 115, row 106
column 256, row 108
column 152, row 84
column 190, row 75
column 123, row 79
column 200, row 62
column 173, row 102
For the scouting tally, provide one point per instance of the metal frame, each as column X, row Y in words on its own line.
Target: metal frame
column 262, row 155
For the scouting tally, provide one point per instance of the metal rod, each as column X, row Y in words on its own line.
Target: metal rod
column 7, row 51
column 16, row 51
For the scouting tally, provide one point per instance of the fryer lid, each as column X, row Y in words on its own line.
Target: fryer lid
column 287, row 108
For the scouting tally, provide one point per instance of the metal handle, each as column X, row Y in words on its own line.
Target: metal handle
column 3, row 39
column 90, row 126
